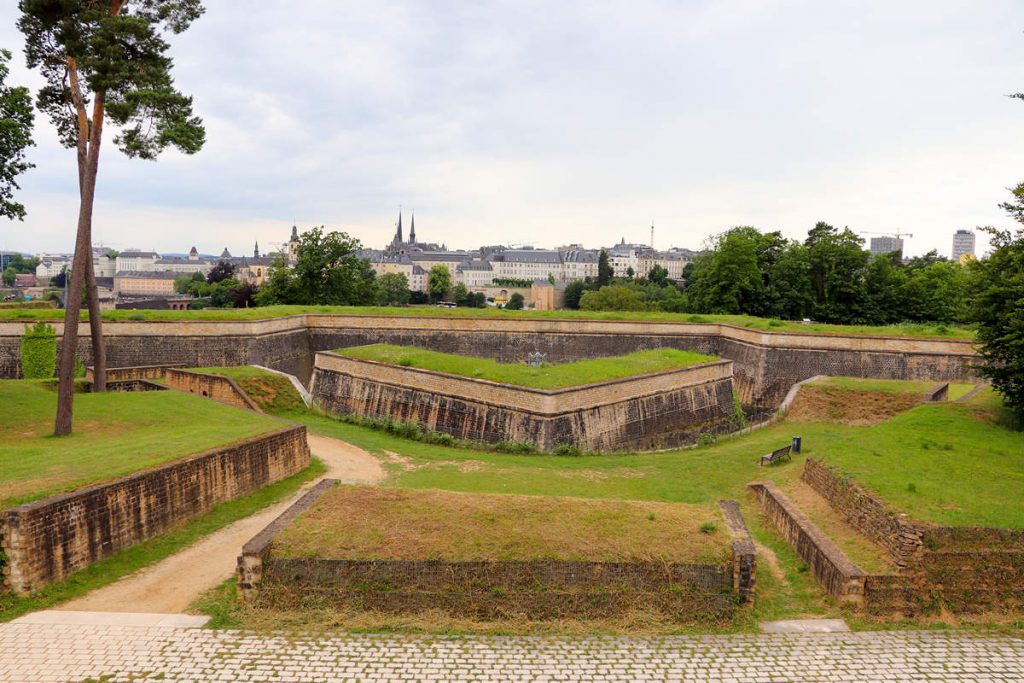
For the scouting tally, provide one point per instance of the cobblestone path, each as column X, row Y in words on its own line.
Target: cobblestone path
column 44, row 652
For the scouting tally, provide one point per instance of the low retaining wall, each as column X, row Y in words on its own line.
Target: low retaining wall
column 132, row 372
column 638, row 411
column 744, row 553
column 217, row 387
column 894, row 531
column 840, row 577
column 47, row 540
column 542, row 589
column 962, row 569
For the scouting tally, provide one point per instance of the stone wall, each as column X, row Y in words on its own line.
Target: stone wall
column 542, row 589
column 130, row 373
column 47, row 540
column 839, row 576
column 766, row 363
column 865, row 512
column 641, row 411
column 744, row 553
column 960, row 569
column 217, row 387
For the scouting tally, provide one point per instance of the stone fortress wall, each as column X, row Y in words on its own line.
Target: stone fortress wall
column 766, row 363
column 641, row 411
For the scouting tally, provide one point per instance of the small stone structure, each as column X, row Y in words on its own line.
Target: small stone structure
column 218, row 387
column 639, row 411
column 46, row 540
column 539, row 589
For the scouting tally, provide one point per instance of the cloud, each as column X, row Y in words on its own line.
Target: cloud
column 525, row 121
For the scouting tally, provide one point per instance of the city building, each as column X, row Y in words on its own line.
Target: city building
column 145, row 283
column 963, row 245
column 886, row 245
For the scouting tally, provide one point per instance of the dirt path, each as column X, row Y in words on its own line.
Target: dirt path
column 173, row 583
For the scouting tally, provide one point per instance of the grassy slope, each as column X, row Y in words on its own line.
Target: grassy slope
column 362, row 522
column 115, row 434
column 155, row 549
column 904, row 330
column 271, row 392
column 965, row 468
column 547, row 377
column 892, row 386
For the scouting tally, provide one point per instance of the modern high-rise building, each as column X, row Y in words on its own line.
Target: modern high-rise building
column 963, row 244
column 886, row 245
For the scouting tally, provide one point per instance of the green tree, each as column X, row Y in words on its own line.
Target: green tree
column 113, row 56
column 658, row 275
column 996, row 305
column 727, row 278
column 439, row 282
column 574, row 292
column 515, row 302
column 222, row 271
column 328, row 272
column 838, row 263
column 16, row 118
column 615, row 298
column 790, row 278
column 9, row 275
column 604, row 269
column 460, row 295
column 181, row 284
column 393, row 289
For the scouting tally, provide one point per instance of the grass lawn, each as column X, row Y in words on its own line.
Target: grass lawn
column 369, row 523
column 892, row 386
column 115, row 434
column 555, row 376
column 132, row 559
column 904, row 330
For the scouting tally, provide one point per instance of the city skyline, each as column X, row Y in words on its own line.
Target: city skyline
column 339, row 113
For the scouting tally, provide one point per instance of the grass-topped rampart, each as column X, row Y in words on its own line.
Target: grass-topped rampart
column 115, row 434
column 917, row 330
column 556, row 376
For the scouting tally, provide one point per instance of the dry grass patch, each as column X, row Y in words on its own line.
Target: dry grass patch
column 366, row 523
column 839, row 404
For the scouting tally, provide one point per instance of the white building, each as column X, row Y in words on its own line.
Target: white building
column 963, row 245
column 137, row 261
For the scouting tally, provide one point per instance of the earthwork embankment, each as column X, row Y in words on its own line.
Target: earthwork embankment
column 766, row 364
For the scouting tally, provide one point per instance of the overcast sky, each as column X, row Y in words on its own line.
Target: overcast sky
column 559, row 122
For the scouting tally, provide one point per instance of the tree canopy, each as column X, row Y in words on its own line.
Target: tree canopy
column 328, row 271
column 16, row 117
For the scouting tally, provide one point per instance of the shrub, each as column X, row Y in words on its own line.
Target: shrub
column 39, row 351
column 509, row 446
column 708, row 528
column 566, row 449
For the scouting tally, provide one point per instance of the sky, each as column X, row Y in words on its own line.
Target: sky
column 549, row 123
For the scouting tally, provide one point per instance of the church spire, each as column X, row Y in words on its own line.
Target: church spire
column 256, row 250
column 398, row 232
column 412, row 229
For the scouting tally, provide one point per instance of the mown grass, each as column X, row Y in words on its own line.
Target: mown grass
column 554, row 376
column 155, row 549
column 371, row 523
column 903, row 330
column 115, row 434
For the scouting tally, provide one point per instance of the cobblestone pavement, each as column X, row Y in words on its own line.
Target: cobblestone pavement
column 39, row 653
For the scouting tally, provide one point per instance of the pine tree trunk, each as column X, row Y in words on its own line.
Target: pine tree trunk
column 99, row 351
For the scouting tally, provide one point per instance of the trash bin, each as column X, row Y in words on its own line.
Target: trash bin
column 796, row 444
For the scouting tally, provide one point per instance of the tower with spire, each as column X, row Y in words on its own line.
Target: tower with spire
column 256, row 250
column 412, row 229
column 398, row 232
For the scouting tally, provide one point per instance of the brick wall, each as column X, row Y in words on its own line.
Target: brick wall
column 217, row 387
column 47, row 540
column 641, row 411
column 837, row 574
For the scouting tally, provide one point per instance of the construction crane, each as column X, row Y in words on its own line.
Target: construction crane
column 898, row 235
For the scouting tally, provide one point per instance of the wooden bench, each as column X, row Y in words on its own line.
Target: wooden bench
column 776, row 455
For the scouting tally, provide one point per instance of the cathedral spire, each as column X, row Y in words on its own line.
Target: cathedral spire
column 398, row 232
column 256, row 250
column 412, row 229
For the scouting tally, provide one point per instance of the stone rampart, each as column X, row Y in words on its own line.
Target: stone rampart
column 766, row 363
column 629, row 412
column 839, row 576
column 131, row 373
column 47, row 540
column 218, row 387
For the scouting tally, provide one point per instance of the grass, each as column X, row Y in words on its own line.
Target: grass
column 892, row 386
column 273, row 393
column 115, row 434
column 155, row 549
column 936, row 330
column 966, row 468
column 556, row 376
column 370, row 523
